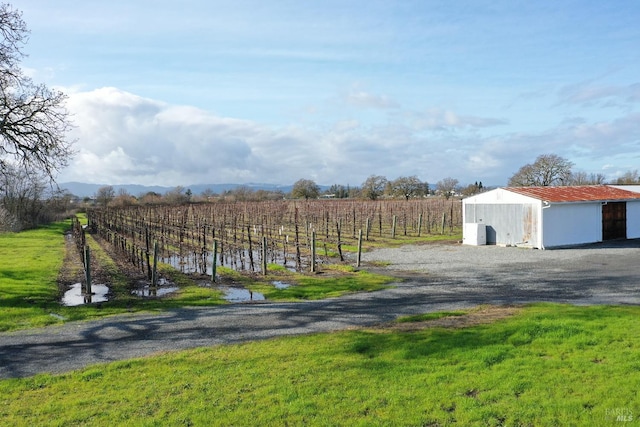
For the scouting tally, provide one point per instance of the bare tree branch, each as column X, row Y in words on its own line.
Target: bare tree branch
column 33, row 119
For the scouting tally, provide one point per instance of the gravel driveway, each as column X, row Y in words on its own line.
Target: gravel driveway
column 434, row 277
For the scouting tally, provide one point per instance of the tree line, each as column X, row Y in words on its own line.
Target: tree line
column 554, row 170
column 374, row 187
column 546, row 170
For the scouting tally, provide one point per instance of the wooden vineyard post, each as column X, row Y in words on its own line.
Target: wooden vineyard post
column 298, row 260
column 368, row 227
column 313, row 251
column 419, row 224
column 359, row 248
column 404, row 223
column 354, row 221
column 444, row 221
column 215, row 254
column 264, row 255
column 147, row 252
column 154, row 273
column 393, row 227
column 451, row 219
column 87, row 270
column 250, row 248
column 339, row 242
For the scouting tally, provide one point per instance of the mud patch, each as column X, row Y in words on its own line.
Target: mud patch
column 479, row 316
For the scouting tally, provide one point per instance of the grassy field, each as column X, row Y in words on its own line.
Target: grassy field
column 547, row 365
column 29, row 268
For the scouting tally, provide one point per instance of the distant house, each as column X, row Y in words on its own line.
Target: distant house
column 546, row 217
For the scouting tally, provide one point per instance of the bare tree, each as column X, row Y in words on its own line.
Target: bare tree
column 177, row 196
column 408, row 187
column 548, row 169
column 105, row 195
column 207, row 195
column 582, row 178
column 630, row 177
column 123, row 199
column 338, row 191
column 241, row 193
column 150, row 198
column 447, row 187
column 472, row 189
column 62, row 203
column 22, row 199
column 33, row 119
column 374, row 186
column 305, row 189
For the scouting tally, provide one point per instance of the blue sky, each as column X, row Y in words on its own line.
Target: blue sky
column 177, row 93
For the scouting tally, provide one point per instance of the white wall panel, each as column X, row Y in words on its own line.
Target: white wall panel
column 633, row 220
column 572, row 224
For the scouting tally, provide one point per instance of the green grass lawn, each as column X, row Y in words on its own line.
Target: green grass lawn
column 375, row 241
column 29, row 268
column 548, row 365
column 333, row 280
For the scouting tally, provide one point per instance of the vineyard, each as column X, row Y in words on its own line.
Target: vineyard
column 249, row 236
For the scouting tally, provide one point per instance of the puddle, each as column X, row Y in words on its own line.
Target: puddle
column 75, row 296
column 280, row 285
column 57, row 316
column 158, row 291
column 146, row 290
column 236, row 260
column 242, row 295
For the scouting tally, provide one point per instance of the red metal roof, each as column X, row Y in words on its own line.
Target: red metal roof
column 581, row 193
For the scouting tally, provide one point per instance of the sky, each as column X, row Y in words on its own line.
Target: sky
column 178, row 93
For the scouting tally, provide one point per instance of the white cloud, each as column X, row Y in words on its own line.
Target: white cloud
column 128, row 139
column 442, row 119
column 124, row 138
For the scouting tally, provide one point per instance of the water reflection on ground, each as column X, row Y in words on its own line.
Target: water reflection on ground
column 76, row 295
column 280, row 285
column 241, row 295
column 164, row 287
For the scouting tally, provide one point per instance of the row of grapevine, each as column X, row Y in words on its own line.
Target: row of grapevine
column 250, row 234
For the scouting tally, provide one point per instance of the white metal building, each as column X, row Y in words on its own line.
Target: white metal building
column 546, row 217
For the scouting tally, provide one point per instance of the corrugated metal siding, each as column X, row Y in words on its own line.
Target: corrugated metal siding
column 507, row 224
column 572, row 224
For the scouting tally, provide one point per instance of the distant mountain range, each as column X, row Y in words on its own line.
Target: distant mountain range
column 81, row 189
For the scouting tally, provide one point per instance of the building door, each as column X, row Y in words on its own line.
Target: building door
column 614, row 220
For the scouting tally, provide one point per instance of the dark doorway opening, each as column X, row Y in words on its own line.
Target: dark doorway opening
column 614, row 220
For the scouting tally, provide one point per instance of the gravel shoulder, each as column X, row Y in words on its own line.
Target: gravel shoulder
column 431, row 278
